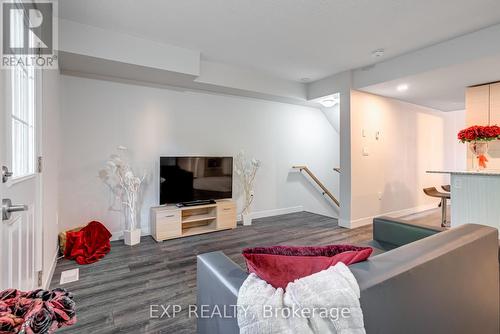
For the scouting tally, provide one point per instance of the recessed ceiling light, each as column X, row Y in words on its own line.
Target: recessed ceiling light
column 328, row 103
column 402, row 88
column 378, row 53
column 305, row 79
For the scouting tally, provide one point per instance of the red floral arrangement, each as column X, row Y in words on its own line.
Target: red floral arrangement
column 479, row 133
column 36, row 312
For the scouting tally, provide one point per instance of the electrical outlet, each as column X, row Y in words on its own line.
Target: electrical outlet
column 365, row 151
column 379, row 195
column 457, row 184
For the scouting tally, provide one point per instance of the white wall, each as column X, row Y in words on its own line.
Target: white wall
column 413, row 139
column 50, row 175
column 99, row 115
column 455, row 151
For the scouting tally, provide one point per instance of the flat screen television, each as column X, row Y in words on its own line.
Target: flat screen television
column 190, row 179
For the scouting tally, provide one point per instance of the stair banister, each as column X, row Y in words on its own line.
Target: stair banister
column 318, row 182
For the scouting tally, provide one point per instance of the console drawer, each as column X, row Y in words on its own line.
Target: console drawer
column 168, row 216
column 166, row 224
column 165, row 229
column 226, row 215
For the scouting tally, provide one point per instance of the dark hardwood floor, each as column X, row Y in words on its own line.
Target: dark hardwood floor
column 114, row 295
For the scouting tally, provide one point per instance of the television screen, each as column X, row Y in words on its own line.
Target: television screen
column 186, row 179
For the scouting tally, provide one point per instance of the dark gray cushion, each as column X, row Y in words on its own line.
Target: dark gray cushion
column 378, row 247
column 400, row 232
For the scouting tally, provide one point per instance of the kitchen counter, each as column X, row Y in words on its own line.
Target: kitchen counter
column 488, row 172
column 475, row 197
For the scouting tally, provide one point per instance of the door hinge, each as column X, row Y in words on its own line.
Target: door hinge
column 39, row 165
column 40, row 278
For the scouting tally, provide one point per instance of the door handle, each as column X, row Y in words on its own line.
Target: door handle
column 5, row 174
column 8, row 208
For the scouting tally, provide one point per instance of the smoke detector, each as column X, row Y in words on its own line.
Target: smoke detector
column 378, row 53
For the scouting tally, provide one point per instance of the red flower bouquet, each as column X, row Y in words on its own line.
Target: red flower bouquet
column 479, row 133
column 478, row 137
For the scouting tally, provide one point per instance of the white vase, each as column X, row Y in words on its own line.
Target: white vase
column 132, row 237
column 247, row 219
column 479, row 149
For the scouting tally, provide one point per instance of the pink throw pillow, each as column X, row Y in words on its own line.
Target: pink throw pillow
column 280, row 265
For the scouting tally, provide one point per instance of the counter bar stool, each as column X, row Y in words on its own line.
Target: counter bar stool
column 433, row 192
column 446, row 187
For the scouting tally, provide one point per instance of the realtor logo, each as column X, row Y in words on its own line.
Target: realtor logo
column 28, row 34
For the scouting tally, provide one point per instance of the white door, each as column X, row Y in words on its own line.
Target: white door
column 20, row 228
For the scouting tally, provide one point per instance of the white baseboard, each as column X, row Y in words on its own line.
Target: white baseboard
column 118, row 235
column 275, row 212
column 344, row 223
column 396, row 214
column 50, row 274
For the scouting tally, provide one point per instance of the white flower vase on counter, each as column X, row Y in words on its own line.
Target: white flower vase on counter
column 478, row 137
column 479, row 149
column 126, row 187
column 246, row 169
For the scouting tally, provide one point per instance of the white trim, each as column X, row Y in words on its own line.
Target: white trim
column 368, row 220
column 118, row 235
column 50, row 274
column 274, row 212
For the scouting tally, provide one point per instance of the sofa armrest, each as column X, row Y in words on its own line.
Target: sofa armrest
column 218, row 282
column 445, row 283
column 399, row 232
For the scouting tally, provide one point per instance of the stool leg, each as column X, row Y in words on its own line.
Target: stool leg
column 443, row 212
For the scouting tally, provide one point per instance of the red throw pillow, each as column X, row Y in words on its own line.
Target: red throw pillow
column 280, row 265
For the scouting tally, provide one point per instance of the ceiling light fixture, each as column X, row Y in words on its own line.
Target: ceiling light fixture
column 328, row 103
column 402, row 88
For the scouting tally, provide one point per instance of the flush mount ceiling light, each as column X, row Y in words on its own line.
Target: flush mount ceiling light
column 402, row 88
column 378, row 53
column 305, row 79
column 328, row 103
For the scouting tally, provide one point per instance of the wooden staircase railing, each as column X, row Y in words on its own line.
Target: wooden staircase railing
column 318, row 182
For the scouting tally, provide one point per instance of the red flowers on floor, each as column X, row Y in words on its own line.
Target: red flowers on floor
column 36, row 312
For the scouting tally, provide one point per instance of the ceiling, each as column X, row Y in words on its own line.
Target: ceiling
column 292, row 39
column 444, row 88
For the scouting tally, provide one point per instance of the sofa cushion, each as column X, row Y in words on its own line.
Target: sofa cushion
column 399, row 232
column 280, row 265
column 379, row 247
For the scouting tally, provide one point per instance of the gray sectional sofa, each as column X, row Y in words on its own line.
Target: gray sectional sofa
column 418, row 280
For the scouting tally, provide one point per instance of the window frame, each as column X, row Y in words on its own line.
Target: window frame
column 29, row 107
